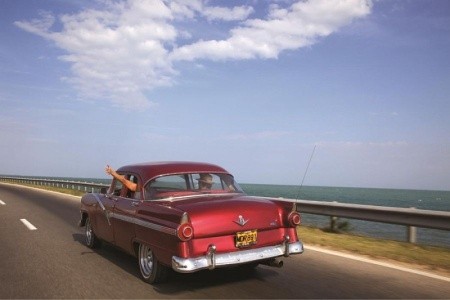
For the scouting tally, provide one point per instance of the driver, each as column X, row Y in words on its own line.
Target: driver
column 205, row 182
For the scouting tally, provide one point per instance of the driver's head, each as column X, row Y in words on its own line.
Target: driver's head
column 205, row 181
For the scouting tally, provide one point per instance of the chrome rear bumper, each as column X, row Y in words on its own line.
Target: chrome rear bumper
column 212, row 259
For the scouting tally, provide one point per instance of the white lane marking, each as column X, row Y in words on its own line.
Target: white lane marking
column 28, row 224
column 2, row 203
column 375, row 262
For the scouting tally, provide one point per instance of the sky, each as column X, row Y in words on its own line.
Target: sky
column 253, row 86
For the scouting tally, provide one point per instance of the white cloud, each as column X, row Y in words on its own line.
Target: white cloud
column 285, row 29
column 39, row 26
column 128, row 48
column 222, row 13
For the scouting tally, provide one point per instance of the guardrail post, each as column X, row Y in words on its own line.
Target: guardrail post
column 333, row 221
column 412, row 233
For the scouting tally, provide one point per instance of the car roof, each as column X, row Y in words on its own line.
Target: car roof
column 149, row 170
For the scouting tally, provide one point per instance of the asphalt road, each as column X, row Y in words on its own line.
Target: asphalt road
column 53, row 262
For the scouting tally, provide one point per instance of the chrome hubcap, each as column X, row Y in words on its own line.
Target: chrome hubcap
column 88, row 232
column 145, row 260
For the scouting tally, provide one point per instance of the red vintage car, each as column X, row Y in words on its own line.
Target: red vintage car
column 189, row 216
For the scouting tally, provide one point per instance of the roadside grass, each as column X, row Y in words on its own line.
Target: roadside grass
column 429, row 258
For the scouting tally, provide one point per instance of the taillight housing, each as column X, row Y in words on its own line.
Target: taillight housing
column 294, row 219
column 185, row 232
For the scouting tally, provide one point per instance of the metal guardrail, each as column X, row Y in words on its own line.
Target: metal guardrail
column 393, row 215
column 90, row 187
column 409, row 217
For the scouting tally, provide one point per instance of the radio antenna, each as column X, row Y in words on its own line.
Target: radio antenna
column 306, row 171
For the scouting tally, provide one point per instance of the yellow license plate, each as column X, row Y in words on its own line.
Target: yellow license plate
column 246, row 238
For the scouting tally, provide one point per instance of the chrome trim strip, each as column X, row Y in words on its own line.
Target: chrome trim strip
column 171, row 199
column 99, row 202
column 156, row 227
column 146, row 224
column 209, row 261
column 107, row 214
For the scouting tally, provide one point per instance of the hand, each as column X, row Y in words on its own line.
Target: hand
column 109, row 170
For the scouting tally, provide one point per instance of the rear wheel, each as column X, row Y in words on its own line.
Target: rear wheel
column 92, row 240
column 152, row 271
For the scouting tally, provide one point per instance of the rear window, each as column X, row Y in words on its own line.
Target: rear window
column 178, row 185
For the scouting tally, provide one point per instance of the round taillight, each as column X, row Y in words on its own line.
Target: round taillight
column 185, row 232
column 294, row 218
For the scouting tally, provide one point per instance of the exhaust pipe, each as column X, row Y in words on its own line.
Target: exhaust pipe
column 276, row 263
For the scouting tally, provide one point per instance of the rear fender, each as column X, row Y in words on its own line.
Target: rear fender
column 83, row 218
column 163, row 255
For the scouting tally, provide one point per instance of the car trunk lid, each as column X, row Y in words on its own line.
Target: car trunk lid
column 215, row 216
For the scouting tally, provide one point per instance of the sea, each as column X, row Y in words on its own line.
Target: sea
column 419, row 199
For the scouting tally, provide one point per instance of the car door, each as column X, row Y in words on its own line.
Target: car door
column 124, row 215
column 104, row 210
